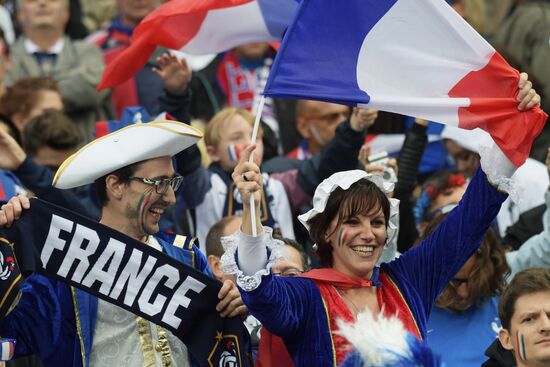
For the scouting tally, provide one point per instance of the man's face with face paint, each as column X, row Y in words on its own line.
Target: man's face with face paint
column 143, row 206
column 529, row 334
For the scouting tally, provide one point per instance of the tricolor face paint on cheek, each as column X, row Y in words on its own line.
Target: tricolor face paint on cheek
column 520, row 340
column 234, row 151
column 141, row 208
column 342, row 237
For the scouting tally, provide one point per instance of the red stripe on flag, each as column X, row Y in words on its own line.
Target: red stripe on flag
column 492, row 91
column 171, row 25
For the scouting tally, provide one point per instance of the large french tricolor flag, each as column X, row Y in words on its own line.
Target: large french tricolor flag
column 200, row 27
column 414, row 57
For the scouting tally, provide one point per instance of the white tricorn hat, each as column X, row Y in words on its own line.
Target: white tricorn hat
column 132, row 144
column 344, row 180
column 467, row 139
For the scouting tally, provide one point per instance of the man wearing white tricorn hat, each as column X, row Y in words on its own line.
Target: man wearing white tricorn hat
column 135, row 181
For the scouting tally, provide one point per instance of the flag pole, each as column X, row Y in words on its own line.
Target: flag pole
column 254, row 137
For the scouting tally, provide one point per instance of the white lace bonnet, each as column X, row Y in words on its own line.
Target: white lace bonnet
column 344, row 180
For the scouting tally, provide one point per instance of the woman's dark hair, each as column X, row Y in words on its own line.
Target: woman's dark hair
column 363, row 197
column 487, row 277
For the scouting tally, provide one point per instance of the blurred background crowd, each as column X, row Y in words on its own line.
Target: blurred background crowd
column 52, row 56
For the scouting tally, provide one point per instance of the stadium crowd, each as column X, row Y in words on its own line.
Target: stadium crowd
column 406, row 203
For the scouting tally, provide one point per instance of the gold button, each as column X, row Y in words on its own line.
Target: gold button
column 158, row 347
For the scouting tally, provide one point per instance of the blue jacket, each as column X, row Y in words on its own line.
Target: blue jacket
column 56, row 322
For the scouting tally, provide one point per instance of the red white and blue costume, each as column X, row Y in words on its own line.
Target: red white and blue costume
column 303, row 310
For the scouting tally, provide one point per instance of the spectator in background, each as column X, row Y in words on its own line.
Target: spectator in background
column 48, row 146
column 465, row 319
column 225, row 136
column 98, row 14
column 295, row 262
column 526, row 36
column 50, row 138
column 6, row 25
column 75, row 28
column 317, row 122
column 272, row 351
column 144, row 88
column 524, row 311
column 440, row 192
column 473, row 11
column 531, row 177
column 235, row 79
column 44, row 50
column 28, row 98
column 214, row 247
column 496, row 13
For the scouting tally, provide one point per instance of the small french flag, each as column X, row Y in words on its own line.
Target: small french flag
column 8, row 347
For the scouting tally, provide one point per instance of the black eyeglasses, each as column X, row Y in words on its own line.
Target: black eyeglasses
column 161, row 186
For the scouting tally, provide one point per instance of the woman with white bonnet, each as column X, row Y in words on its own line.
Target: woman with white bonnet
column 351, row 221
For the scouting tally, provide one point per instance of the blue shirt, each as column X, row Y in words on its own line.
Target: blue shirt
column 461, row 338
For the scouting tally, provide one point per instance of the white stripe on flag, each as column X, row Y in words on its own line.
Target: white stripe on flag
column 406, row 47
column 226, row 28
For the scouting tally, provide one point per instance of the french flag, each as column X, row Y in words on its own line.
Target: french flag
column 413, row 57
column 200, row 27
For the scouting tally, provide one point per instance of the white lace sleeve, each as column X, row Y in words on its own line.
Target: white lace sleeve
column 499, row 170
column 251, row 261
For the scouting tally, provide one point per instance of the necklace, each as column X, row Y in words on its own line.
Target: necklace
column 344, row 297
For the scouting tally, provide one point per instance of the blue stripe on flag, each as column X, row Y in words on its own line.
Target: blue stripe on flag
column 276, row 14
column 318, row 57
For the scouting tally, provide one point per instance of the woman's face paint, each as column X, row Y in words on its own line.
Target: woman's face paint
column 342, row 236
column 521, row 346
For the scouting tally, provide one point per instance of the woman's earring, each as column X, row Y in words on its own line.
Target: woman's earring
column 315, row 247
